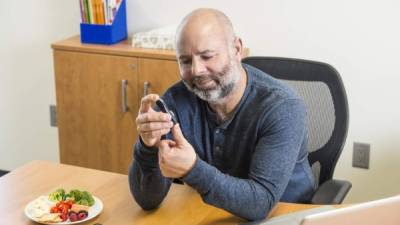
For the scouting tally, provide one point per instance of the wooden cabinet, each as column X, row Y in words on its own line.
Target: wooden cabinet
column 94, row 129
column 156, row 75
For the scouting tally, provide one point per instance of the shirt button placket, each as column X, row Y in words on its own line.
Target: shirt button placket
column 217, row 146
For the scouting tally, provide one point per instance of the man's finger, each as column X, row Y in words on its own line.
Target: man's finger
column 177, row 134
column 153, row 117
column 147, row 101
column 154, row 133
column 153, row 126
column 160, row 156
column 165, row 146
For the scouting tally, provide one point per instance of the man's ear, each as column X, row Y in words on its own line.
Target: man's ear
column 238, row 45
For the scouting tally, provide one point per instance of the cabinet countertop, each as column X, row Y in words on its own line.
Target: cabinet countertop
column 123, row 48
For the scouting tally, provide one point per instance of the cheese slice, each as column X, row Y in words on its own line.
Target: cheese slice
column 40, row 206
column 49, row 218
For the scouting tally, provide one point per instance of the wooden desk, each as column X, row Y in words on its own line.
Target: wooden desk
column 182, row 205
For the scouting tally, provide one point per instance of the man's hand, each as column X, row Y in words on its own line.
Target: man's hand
column 151, row 125
column 176, row 158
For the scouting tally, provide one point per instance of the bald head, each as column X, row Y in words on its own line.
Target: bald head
column 205, row 22
column 209, row 56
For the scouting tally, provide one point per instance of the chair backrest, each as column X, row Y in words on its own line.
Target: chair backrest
column 322, row 90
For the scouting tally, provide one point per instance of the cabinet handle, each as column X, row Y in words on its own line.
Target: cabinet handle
column 124, row 97
column 146, row 86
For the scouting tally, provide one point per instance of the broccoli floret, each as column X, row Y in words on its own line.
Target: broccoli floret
column 88, row 197
column 83, row 202
column 74, row 195
column 81, row 197
column 57, row 195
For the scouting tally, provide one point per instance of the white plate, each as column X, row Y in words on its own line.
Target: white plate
column 94, row 210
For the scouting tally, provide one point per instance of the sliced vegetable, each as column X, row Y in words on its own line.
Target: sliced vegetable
column 81, row 197
column 63, row 217
column 74, row 196
column 72, row 206
column 58, row 195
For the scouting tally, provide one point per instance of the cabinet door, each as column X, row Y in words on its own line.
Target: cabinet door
column 94, row 131
column 157, row 74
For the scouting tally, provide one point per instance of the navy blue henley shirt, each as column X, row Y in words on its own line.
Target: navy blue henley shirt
column 244, row 165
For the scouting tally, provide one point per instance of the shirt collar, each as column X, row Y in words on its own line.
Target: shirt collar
column 213, row 117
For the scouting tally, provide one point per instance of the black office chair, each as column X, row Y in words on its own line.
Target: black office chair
column 322, row 90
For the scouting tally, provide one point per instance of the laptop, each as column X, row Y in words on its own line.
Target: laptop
column 380, row 212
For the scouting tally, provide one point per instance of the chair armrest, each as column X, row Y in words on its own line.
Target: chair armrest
column 331, row 192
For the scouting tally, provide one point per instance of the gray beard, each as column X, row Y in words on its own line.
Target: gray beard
column 226, row 83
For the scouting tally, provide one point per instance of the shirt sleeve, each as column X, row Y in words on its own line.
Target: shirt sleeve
column 276, row 152
column 148, row 186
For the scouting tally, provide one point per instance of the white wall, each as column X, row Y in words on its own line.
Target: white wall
column 26, row 76
column 359, row 38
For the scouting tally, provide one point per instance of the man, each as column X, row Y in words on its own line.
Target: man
column 240, row 140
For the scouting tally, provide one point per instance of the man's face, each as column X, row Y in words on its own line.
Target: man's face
column 207, row 64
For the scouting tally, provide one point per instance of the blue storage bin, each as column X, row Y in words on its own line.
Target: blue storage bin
column 106, row 34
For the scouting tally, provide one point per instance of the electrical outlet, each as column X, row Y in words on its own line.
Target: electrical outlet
column 361, row 153
column 53, row 116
